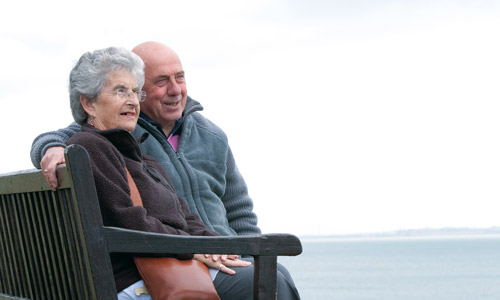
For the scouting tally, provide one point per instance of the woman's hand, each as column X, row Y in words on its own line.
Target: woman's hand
column 222, row 257
column 222, row 262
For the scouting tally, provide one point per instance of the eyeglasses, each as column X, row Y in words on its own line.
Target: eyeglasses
column 124, row 93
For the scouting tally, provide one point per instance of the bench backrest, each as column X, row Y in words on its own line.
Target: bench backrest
column 47, row 238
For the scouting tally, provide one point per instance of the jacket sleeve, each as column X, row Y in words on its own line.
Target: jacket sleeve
column 51, row 139
column 238, row 204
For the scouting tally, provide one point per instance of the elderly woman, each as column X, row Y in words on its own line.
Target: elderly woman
column 105, row 91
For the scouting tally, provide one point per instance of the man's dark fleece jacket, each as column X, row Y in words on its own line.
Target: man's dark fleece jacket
column 111, row 152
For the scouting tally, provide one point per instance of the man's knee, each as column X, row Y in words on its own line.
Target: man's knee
column 286, row 287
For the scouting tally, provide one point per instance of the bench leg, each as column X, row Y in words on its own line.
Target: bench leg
column 265, row 277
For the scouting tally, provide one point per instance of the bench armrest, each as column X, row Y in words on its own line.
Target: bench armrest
column 140, row 242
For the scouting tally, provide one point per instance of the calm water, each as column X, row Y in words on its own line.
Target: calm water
column 398, row 269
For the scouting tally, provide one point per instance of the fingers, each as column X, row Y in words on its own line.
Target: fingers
column 237, row 263
column 233, row 263
column 225, row 269
column 223, row 257
column 53, row 157
column 215, row 257
column 51, row 177
column 222, row 266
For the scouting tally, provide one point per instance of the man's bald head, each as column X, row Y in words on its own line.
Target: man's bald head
column 165, row 85
column 153, row 52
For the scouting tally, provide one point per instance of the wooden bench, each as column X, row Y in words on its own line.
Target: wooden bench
column 53, row 244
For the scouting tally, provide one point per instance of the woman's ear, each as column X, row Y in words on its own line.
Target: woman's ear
column 88, row 105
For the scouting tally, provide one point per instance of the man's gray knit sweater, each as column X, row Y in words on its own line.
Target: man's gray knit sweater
column 203, row 169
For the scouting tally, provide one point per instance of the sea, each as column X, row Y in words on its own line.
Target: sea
column 414, row 268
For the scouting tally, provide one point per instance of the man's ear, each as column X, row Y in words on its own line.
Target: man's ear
column 88, row 105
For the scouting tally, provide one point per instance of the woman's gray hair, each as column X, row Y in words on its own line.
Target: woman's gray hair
column 91, row 72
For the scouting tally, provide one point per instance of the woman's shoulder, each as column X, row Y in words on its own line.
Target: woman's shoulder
column 100, row 150
column 86, row 137
column 93, row 142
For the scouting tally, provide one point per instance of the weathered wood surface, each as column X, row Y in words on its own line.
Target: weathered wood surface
column 53, row 244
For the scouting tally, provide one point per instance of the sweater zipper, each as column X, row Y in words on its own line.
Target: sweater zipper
column 179, row 158
column 158, row 178
column 162, row 181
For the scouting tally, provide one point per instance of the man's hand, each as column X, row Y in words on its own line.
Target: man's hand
column 214, row 262
column 53, row 157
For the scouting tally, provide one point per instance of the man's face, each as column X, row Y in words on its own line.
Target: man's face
column 166, row 91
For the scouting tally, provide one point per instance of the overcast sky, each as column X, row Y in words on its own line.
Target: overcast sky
column 344, row 116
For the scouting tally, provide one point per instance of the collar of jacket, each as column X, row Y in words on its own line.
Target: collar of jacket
column 121, row 139
column 191, row 107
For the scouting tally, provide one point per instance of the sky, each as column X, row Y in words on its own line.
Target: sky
column 344, row 116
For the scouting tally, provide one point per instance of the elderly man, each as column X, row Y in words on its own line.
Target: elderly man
column 194, row 151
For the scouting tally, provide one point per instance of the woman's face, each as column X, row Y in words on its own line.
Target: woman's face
column 117, row 106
